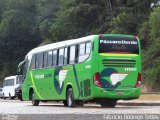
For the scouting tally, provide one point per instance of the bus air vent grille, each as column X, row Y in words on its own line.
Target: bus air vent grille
column 118, row 63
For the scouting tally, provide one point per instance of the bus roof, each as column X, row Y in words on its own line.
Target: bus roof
column 60, row 44
column 68, row 42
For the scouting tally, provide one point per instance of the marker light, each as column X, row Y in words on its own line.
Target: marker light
column 97, row 81
column 138, row 83
column 135, row 37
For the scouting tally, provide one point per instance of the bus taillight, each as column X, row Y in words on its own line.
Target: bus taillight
column 97, row 81
column 138, row 83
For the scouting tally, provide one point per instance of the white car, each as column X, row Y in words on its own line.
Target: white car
column 9, row 86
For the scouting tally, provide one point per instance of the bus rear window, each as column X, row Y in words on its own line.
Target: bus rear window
column 122, row 45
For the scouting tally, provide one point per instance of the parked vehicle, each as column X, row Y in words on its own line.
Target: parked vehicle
column 18, row 89
column 10, row 86
column 1, row 92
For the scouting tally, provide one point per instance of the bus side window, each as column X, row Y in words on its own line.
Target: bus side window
column 40, row 60
column 61, row 54
column 88, row 48
column 84, row 51
column 45, row 57
column 54, row 57
column 65, row 56
column 33, row 63
column 72, row 55
column 81, row 52
column 36, row 57
column 49, row 60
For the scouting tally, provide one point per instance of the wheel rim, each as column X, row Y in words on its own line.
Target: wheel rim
column 32, row 98
column 69, row 99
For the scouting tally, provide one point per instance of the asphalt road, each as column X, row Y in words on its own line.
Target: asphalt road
column 22, row 110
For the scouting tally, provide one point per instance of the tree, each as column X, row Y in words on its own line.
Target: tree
column 18, row 34
column 155, row 23
column 45, row 18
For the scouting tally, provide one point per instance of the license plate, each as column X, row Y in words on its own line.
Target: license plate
column 119, row 92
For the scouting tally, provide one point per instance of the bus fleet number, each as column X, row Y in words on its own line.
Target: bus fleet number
column 130, row 69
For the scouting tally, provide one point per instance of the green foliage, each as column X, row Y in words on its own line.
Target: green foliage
column 155, row 23
column 123, row 24
column 45, row 18
column 144, row 34
column 151, row 66
column 75, row 18
column 18, row 34
column 3, row 5
column 151, row 55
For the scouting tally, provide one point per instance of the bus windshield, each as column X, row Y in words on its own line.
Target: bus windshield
column 116, row 44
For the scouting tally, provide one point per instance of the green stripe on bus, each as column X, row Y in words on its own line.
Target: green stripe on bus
column 35, row 86
column 76, row 78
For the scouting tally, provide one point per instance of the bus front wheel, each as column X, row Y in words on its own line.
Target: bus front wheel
column 70, row 98
column 34, row 102
column 20, row 98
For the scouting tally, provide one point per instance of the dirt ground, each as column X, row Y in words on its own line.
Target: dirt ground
column 150, row 96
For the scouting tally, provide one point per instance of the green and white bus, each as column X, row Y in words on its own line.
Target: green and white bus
column 102, row 68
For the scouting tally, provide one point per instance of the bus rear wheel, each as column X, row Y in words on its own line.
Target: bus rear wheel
column 108, row 103
column 34, row 102
column 70, row 98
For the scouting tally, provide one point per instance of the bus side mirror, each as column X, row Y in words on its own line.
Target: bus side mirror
column 20, row 68
column 19, row 71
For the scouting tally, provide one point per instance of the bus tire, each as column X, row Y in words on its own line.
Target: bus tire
column 70, row 98
column 34, row 102
column 108, row 103
column 20, row 98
